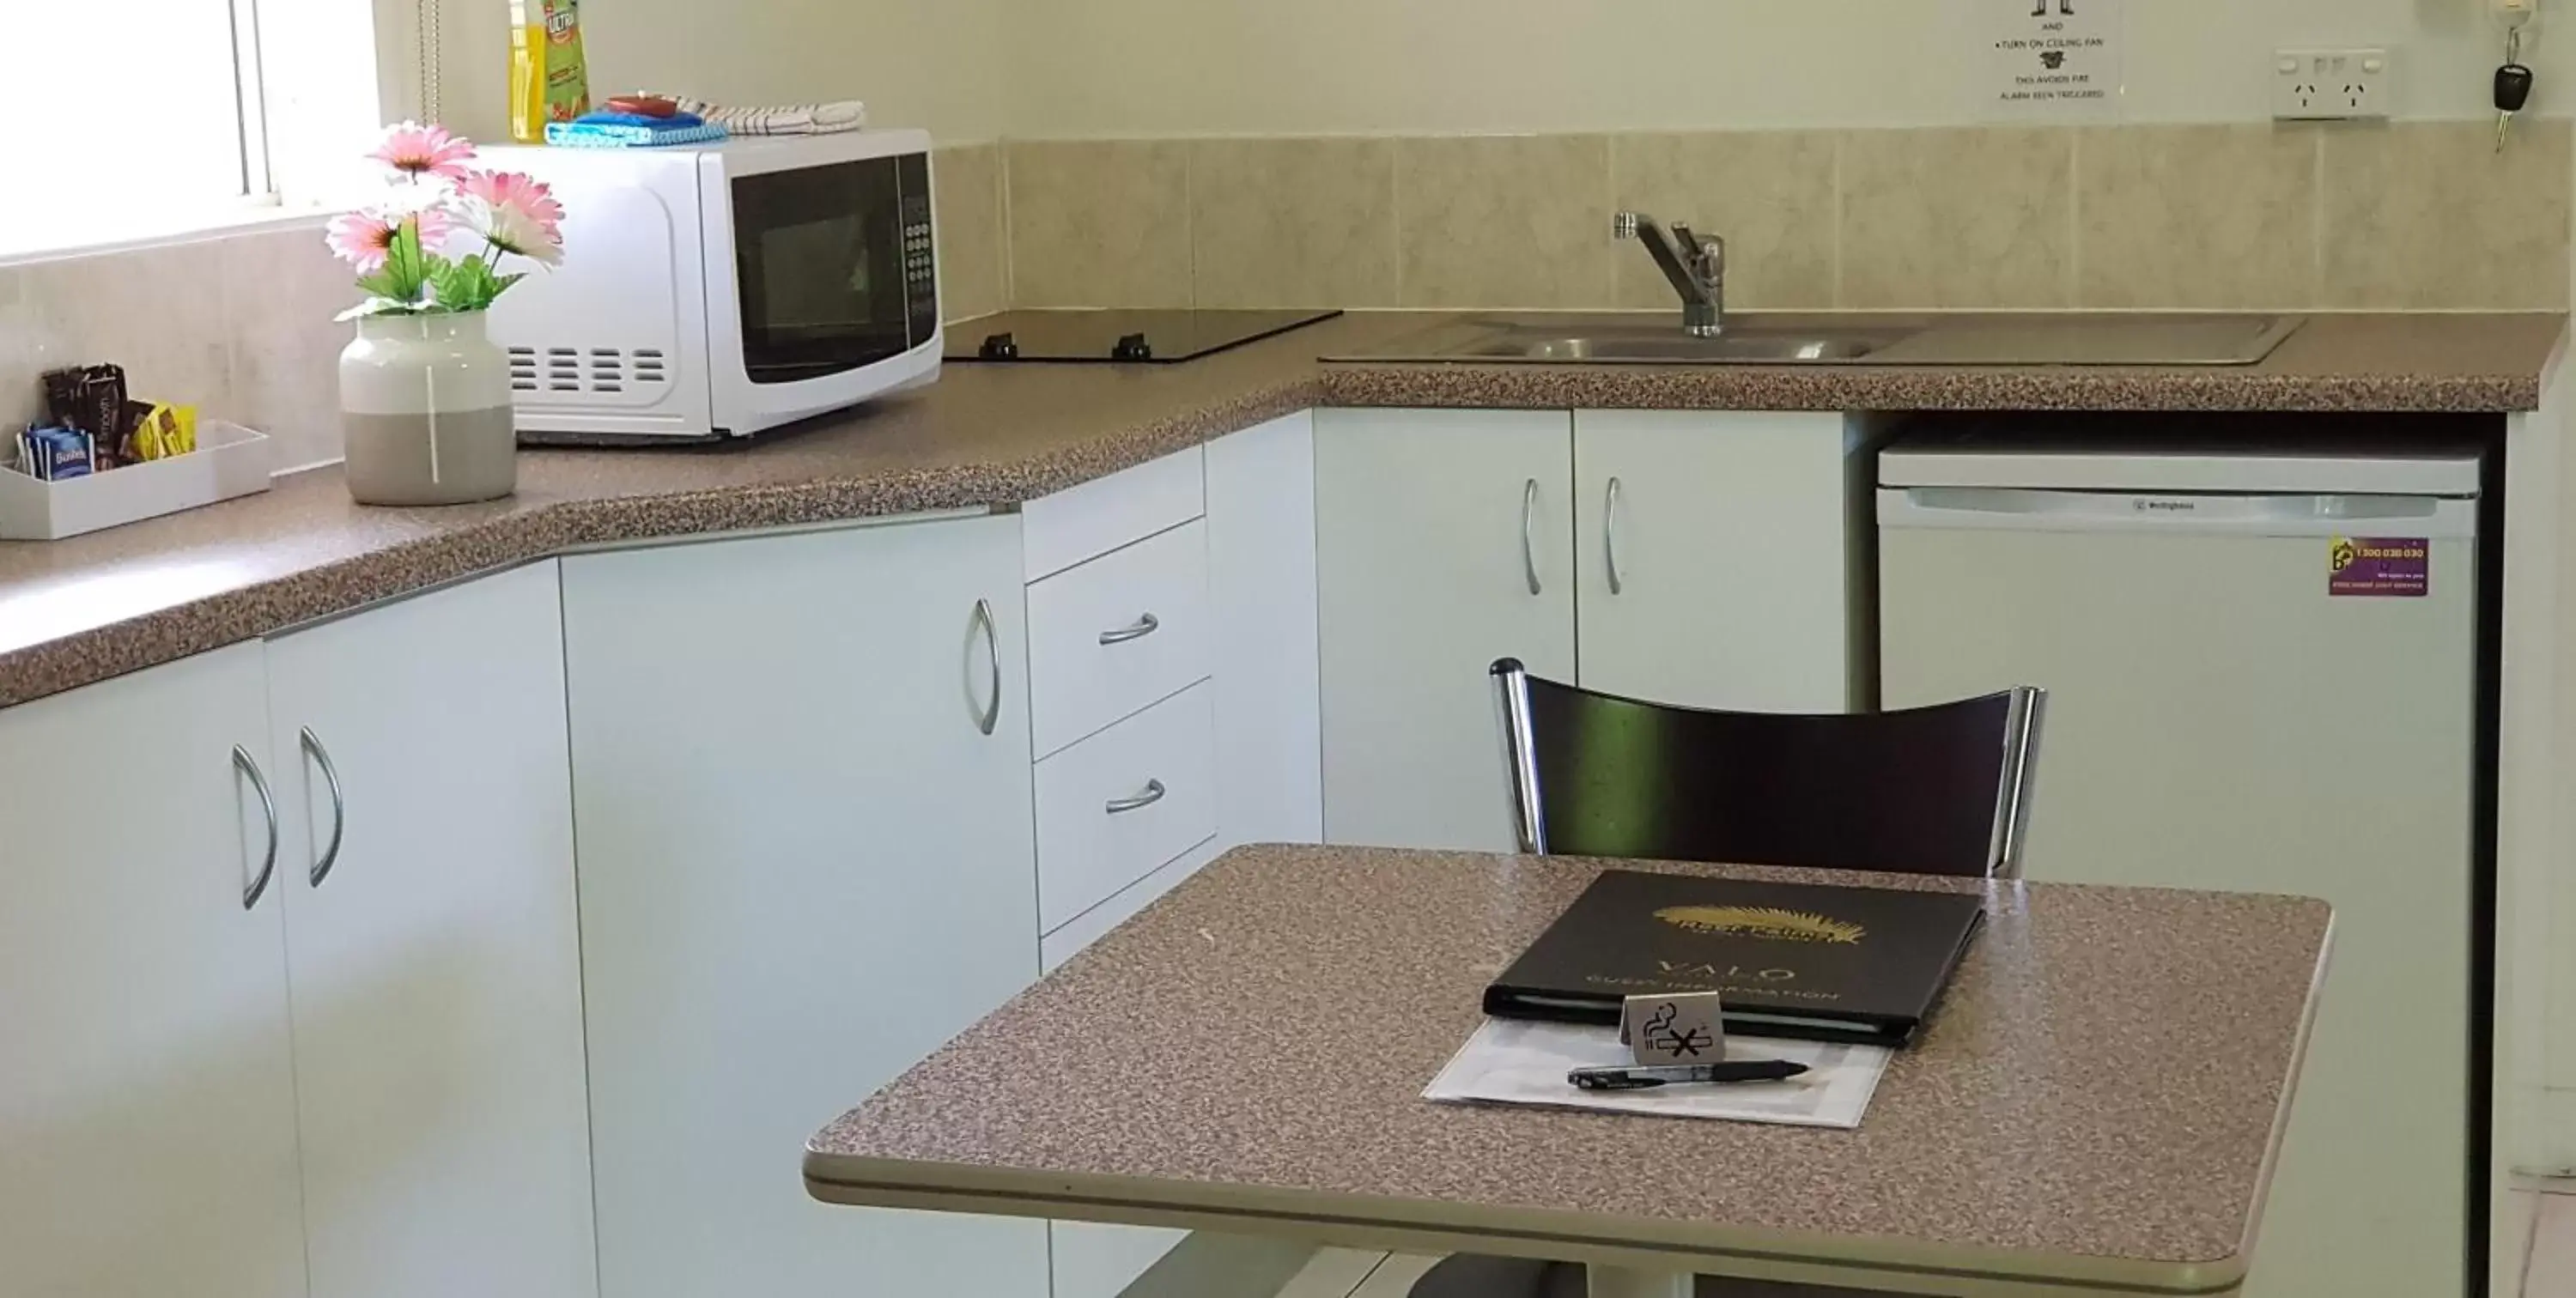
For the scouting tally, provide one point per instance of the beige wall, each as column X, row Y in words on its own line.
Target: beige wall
column 927, row 63
column 2415, row 215
column 1111, row 68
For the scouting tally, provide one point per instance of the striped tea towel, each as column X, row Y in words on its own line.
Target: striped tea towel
column 609, row 135
column 795, row 119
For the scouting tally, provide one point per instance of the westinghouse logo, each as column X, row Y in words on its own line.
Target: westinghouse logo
column 1764, row 922
column 2162, row 505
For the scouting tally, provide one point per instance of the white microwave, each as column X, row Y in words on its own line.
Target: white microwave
column 709, row 293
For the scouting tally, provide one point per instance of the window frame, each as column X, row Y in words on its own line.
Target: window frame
column 277, row 184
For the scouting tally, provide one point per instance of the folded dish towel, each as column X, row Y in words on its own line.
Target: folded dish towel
column 795, row 119
column 643, row 133
column 675, row 121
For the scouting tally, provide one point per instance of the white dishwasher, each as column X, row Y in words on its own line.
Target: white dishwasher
column 2262, row 674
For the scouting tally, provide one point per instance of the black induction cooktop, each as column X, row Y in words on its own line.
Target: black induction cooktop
column 1116, row 337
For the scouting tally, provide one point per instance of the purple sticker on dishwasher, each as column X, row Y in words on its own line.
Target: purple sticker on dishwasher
column 2384, row 566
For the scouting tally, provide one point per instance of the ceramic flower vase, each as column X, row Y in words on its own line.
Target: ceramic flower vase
column 425, row 402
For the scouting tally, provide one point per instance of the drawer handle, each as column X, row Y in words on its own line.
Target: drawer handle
column 1145, row 626
column 1153, row 793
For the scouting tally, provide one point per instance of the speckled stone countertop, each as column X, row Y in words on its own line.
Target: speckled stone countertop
column 82, row 610
column 2097, row 1100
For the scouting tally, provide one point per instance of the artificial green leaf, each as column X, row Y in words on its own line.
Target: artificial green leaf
column 464, row 285
column 406, row 267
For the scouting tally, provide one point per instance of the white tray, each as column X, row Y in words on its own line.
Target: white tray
column 229, row 461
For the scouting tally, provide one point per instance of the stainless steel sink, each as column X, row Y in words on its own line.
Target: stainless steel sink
column 1633, row 339
column 1576, row 341
column 1672, row 348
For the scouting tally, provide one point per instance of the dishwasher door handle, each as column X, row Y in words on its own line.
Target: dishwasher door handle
column 2040, row 510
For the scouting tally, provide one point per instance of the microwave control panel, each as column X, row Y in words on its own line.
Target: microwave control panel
column 920, row 264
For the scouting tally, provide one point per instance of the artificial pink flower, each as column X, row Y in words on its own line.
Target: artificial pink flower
column 514, row 212
column 365, row 238
column 416, row 150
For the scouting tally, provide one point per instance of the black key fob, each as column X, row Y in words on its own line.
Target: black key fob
column 2512, row 88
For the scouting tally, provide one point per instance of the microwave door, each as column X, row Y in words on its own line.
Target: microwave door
column 820, row 265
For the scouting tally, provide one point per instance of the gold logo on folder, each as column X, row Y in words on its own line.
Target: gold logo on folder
column 1763, row 921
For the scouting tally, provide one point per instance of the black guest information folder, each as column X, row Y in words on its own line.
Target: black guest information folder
column 1792, row 960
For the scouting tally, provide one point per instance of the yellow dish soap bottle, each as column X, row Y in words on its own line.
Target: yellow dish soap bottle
column 549, row 78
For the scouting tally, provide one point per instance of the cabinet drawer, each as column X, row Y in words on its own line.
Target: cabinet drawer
column 1113, row 808
column 1086, row 522
column 1114, row 635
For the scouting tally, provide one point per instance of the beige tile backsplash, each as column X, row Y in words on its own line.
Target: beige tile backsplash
column 966, row 195
column 1293, row 222
column 1769, row 194
column 2233, row 216
column 1103, row 223
column 2197, row 216
column 1503, row 220
column 1958, row 217
column 2407, row 216
column 2428, row 215
column 238, row 325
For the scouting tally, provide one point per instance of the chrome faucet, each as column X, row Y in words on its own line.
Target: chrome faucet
column 1695, row 265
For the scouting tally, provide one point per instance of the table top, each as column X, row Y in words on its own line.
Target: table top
column 2097, row 1101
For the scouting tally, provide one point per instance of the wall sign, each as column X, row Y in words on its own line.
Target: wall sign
column 2051, row 60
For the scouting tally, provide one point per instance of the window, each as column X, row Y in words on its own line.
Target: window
column 148, row 117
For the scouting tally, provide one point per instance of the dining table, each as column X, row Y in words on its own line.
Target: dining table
column 2093, row 1108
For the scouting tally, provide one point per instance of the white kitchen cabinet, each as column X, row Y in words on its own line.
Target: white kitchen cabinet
column 1111, row 637
column 802, row 787
column 147, row 1102
column 1444, row 541
column 1120, row 805
column 1086, row 521
column 1261, row 583
column 1714, row 556
column 433, row 946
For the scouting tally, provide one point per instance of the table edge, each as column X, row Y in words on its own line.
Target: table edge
column 1430, row 1225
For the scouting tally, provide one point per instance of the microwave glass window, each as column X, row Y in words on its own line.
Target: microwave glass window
column 820, row 259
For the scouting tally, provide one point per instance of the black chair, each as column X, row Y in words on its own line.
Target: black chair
column 1937, row 790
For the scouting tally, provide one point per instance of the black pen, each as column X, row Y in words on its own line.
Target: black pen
column 1638, row 1078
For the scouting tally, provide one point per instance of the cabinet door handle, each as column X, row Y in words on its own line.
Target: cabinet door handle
column 312, row 745
column 1143, row 627
column 991, row 716
column 1610, row 535
column 1153, row 793
column 268, row 808
column 1529, row 544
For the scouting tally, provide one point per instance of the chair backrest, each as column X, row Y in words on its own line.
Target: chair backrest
column 1937, row 790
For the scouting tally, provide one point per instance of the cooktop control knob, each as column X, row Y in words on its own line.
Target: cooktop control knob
column 999, row 347
column 1132, row 347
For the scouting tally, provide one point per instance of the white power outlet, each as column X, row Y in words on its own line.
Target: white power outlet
column 2329, row 85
